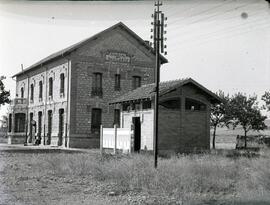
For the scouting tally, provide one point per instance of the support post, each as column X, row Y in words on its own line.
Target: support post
column 115, row 139
column 101, row 140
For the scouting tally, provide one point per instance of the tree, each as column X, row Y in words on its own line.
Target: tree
column 4, row 121
column 4, row 95
column 266, row 99
column 219, row 117
column 244, row 111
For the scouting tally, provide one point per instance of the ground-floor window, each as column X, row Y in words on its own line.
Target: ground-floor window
column 96, row 119
column 49, row 121
column 172, row 104
column 9, row 122
column 116, row 117
column 61, row 127
column 39, row 122
column 19, row 122
column 192, row 104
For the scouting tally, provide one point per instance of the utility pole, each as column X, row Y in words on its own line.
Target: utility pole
column 158, row 39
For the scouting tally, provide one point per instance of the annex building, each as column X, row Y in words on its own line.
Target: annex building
column 64, row 98
column 184, row 116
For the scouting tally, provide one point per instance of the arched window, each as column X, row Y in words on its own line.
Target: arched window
column 22, row 92
column 62, row 83
column 40, row 89
column 32, row 92
column 192, row 104
column 50, row 87
column 172, row 104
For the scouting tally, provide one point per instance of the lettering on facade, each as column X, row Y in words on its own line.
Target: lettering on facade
column 117, row 57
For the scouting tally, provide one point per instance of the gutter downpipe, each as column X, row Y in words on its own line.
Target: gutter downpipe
column 45, row 110
column 27, row 109
column 67, row 106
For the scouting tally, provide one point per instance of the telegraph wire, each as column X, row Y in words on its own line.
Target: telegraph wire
column 202, row 12
column 235, row 28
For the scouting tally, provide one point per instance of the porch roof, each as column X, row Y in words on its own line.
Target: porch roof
column 148, row 91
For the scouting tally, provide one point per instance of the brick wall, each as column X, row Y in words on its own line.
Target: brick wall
column 91, row 58
column 58, row 101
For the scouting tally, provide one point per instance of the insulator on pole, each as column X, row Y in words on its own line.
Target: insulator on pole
column 165, row 53
column 152, row 30
column 165, row 32
column 161, row 33
column 165, row 46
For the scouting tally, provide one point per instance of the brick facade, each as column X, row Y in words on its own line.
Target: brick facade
column 90, row 59
column 114, row 51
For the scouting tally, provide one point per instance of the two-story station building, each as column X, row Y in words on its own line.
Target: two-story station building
column 63, row 99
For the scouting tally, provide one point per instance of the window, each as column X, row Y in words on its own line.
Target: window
column 173, row 104
column 32, row 92
column 96, row 120
column 22, row 92
column 9, row 122
column 61, row 122
column 126, row 107
column 136, row 82
column 39, row 122
column 195, row 105
column 51, row 87
column 62, row 83
column 116, row 117
column 117, row 82
column 49, row 122
column 146, row 105
column 19, row 122
column 97, row 84
column 40, row 89
column 31, row 127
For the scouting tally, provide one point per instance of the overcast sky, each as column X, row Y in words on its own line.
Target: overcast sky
column 222, row 44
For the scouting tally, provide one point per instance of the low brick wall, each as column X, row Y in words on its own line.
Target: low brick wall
column 16, row 139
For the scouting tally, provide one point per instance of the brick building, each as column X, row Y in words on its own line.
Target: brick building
column 62, row 99
column 184, row 116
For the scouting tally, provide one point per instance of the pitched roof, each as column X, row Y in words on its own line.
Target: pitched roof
column 75, row 46
column 147, row 91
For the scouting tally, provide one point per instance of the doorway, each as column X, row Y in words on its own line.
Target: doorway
column 137, row 133
column 61, row 127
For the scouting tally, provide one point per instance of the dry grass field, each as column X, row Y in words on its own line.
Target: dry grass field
column 223, row 176
column 53, row 177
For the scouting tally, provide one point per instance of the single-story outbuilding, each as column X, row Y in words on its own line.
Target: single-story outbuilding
column 184, row 116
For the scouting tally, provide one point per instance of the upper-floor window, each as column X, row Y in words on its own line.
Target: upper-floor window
column 32, row 92
column 97, row 84
column 62, row 83
column 117, row 82
column 40, row 89
column 136, row 82
column 51, row 86
column 22, row 92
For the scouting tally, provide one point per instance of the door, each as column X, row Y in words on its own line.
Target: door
column 61, row 127
column 137, row 133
